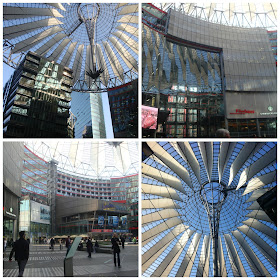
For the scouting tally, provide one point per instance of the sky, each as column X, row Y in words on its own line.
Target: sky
column 8, row 71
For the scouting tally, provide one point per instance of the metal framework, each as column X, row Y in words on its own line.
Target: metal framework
column 235, row 14
column 200, row 209
column 90, row 159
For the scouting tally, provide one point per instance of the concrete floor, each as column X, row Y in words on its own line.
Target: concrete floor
column 46, row 263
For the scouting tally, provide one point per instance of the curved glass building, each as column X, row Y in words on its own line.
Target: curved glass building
column 209, row 209
column 202, row 66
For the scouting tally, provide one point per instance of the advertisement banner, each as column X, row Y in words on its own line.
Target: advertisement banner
column 149, row 117
column 124, row 220
column 115, row 221
column 40, row 213
column 101, row 221
column 110, row 220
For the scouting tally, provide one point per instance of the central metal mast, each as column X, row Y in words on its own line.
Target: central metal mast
column 213, row 197
column 88, row 14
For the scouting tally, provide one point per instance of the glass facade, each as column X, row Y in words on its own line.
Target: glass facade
column 249, row 127
column 124, row 110
column 35, row 197
column 34, row 230
column 184, row 81
column 37, row 100
column 35, row 177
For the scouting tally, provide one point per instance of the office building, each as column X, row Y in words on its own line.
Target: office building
column 124, row 109
column 37, row 99
column 88, row 109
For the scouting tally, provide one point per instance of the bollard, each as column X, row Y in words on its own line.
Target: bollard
column 68, row 261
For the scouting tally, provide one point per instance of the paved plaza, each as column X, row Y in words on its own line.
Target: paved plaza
column 46, row 263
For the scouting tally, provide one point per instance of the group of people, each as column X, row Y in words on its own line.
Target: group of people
column 21, row 249
column 90, row 247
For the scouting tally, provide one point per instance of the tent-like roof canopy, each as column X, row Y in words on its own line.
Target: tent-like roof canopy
column 84, row 37
column 255, row 14
column 200, row 210
column 90, row 159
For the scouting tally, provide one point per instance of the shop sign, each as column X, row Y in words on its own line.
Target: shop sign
column 270, row 111
column 101, row 230
column 108, row 206
column 11, row 214
column 242, row 112
column 182, row 88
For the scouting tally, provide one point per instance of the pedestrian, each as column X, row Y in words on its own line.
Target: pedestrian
column 96, row 245
column 5, row 244
column 123, row 240
column 116, row 249
column 134, row 240
column 89, row 247
column 52, row 242
column 68, row 244
column 11, row 243
column 21, row 249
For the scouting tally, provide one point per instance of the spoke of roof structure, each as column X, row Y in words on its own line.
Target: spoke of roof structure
column 266, row 250
column 256, row 265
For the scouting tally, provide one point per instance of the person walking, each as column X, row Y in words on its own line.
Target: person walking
column 116, row 249
column 96, row 245
column 52, row 242
column 60, row 244
column 21, row 250
column 122, row 240
column 5, row 244
column 89, row 247
column 68, row 244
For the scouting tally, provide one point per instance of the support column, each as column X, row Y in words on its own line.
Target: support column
column 258, row 127
column 52, row 181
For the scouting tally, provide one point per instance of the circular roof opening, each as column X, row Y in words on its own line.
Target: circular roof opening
column 213, row 193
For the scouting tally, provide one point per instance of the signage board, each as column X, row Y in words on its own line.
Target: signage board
column 149, row 117
column 101, row 221
column 40, row 213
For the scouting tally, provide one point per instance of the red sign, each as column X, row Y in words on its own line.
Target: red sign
column 242, row 112
column 101, row 230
